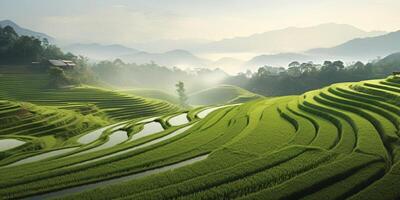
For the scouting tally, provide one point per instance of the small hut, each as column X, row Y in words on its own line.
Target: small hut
column 63, row 64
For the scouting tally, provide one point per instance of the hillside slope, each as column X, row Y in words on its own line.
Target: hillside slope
column 222, row 94
column 154, row 94
column 32, row 87
column 338, row 142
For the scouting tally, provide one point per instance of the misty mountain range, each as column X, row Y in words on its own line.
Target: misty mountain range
column 97, row 51
column 364, row 47
column 290, row 39
column 23, row 31
column 316, row 43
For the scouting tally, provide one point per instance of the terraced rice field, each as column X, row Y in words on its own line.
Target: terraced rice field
column 222, row 94
column 339, row 142
column 31, row 87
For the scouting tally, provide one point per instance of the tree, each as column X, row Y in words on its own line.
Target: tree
column 7, row 39
column 294, row 64
column 27, row 49
column 57, row 78
column 248, row 73
column 306, row 67
column 294, row 71
column 328, row 68
column 51, row 51
column 338, row 64
column 262, row 71
column 359, row 65
column 180, row 88
column 118, row 62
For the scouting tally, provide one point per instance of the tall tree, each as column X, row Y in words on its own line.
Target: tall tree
column 180, row 88
column 294, row 64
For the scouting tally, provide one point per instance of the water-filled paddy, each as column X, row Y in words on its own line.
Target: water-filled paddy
column 43, row 156
column 148, row 129
column 6, row 144
column 179, row 120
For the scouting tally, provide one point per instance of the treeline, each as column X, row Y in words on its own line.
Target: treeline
column 15, row 49
column 301, row 77
column 152, row 75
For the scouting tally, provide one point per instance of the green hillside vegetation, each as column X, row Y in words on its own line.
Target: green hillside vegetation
column 42, row 128
column 46, row 119
column 338, row 142
column 153, row 94
column 302, row 77
column 28, row 86
column 222, row 94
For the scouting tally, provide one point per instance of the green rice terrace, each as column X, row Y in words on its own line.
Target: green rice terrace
column 222, row 94
column 338, row 142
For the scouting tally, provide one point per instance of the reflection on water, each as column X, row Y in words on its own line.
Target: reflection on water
column 42, row 156
column 148, row 129
column 179, row 120
column 6, row 144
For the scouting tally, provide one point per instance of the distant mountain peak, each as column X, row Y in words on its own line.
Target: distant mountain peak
column 8, row 22
column 179, row 52
column 24, row 31
column 99, row 51
column 364, row 46
column 291, row 39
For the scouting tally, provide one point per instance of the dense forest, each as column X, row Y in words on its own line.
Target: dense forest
column 15, row 49
column 301, row 77
column 23, row 50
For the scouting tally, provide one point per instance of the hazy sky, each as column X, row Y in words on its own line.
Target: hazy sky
column 130, row 21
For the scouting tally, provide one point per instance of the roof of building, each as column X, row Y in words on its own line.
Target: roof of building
column 61, row 63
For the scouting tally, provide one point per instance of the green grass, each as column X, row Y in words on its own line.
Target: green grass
column 33, row 87
column 153, row 94
column 338, row 142
column 222, row 94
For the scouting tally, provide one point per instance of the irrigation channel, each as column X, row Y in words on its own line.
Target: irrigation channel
column 81, row 188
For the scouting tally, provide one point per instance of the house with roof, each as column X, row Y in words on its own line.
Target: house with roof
column 63, row 64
